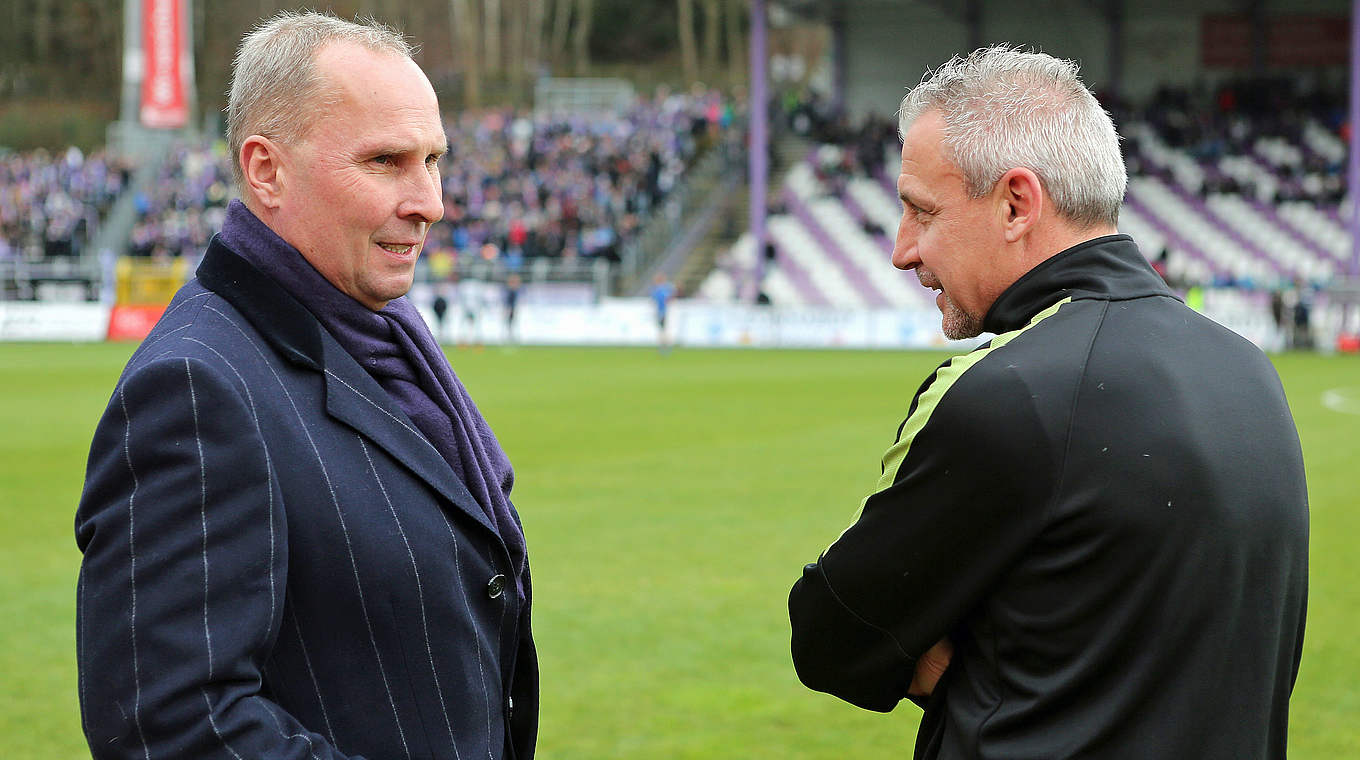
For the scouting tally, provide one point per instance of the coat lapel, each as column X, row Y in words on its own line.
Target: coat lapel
column 355, row 398
column 352, row 396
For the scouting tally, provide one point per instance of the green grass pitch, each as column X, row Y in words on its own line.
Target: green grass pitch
column 669, row 503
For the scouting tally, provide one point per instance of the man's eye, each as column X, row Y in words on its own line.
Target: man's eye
column 384, row 159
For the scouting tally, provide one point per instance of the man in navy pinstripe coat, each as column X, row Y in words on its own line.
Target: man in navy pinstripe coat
column 297, row 533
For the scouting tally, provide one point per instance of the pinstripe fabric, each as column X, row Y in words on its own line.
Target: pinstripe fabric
column 277, row 564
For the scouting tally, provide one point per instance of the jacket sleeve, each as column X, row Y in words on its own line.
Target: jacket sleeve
column 962, row 492
column 181, row 588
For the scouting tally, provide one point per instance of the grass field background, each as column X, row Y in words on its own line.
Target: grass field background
column 669, row 503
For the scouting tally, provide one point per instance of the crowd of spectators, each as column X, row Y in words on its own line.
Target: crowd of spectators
column 520, row 185
column 1208, row 124
column 183, row 206
column 517, row 184
column 864, row 143
column 1233, row 118
column 51, row 204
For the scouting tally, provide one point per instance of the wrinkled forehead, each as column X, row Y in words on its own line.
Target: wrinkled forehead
column 350, row 71
column 377, row 88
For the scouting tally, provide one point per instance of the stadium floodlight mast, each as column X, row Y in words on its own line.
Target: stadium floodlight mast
column 158, row 97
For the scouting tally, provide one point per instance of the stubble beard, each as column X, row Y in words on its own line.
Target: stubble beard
column 957, row 324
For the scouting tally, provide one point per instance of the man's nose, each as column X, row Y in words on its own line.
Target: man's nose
column 904, row 247
column 425, row 197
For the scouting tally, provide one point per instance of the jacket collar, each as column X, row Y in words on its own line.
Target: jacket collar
column 288, row 326
column 1106, row 268
column 352, row 396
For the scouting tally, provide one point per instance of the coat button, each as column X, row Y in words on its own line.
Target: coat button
column 495, row 586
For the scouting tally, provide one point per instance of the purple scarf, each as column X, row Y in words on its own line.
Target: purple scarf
column 396, row 348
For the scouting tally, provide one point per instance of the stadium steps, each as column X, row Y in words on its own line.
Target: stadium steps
column 785, row 283
column 788, row 149
column 719, row 237
column 115, row 232
column 1294, row 255
column 833, row 252
column 800, row 254
column 719, row 267
column 856, row 236
column 1187, row 232
column 1323, row 229
column 677, row 226
column 1186, row 262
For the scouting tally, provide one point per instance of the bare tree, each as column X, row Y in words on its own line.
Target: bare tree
column 536, row 46
column 11, row 35
column 736, row 46
column 585, row 13
column 491, row 31
column 688, row 55
column 515, row 18
column 42, row 29
column 464, row 38
column 561, row 23
column 712, row 36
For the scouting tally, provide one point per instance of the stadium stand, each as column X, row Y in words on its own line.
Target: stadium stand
column 549, row 193
column 1239, row 188
column 519, row 185
column 181, row 209
column 50, row 205
column 563, row 185
column 1256, row 167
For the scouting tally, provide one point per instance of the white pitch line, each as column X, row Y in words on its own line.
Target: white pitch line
column 1343, row 400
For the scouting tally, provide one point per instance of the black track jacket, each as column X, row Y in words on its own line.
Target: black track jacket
column 1104, row 507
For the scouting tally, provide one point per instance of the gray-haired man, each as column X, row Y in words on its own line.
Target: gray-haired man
column 1090, row 536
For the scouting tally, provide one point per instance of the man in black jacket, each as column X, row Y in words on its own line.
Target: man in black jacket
column 1090, row 537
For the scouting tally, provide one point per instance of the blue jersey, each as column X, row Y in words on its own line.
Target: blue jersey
column 662, row 295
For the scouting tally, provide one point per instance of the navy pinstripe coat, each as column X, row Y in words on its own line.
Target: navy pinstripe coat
column 277, row 564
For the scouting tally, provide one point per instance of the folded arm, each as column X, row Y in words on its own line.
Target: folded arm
column 962, row 493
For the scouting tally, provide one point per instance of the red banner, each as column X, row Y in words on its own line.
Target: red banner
column 133, row 322
column 163, row 103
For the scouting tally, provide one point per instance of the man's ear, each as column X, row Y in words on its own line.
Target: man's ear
column 262, row 165
column 1021, row 202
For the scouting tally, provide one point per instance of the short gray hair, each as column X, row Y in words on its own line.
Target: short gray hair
column 1005, row 108
column 274, row 86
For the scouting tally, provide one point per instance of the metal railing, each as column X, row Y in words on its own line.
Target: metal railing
column 55, row 279
column 595, row 272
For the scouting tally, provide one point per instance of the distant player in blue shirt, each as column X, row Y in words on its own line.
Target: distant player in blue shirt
column 662, row 292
